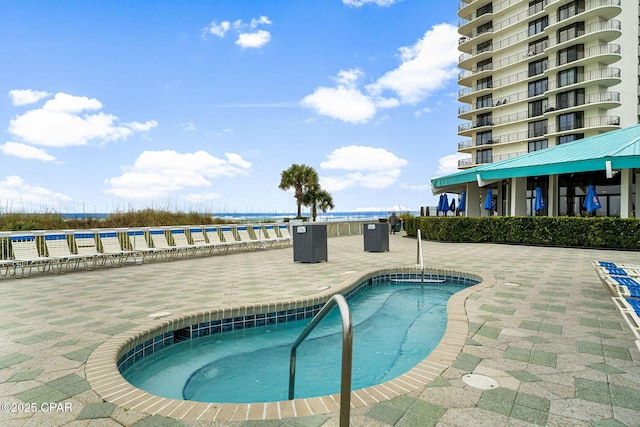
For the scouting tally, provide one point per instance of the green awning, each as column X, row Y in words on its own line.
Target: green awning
column 620, row 147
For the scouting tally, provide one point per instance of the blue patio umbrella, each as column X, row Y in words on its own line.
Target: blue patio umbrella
column 591, row 202
column 488, row 202
column 445, row 203
column 462, row 201
column 452, row 206
column 439, row 207
column 538, row 204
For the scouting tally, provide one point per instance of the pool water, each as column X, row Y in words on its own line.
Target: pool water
column 395, row 327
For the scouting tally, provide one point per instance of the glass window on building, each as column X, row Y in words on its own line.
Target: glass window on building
column 484, row 119
column 570, row 32
column 538, row 46
column 570, row 54
column 538, row 87
column 568, row 138
column 570, row 121
column 538, row 26
column 485, row 64
column 536, row 6
column 570, row 99
column 537, row 128
column 538, row 145
column 485, row 27
column 532, row 183
column 538, row 67
column 484, row 46
column 572, row 189
column 484, row 101
column 570, row 76
column 483, row 138
column 485, row 83
column 570, row 9
column 484, row 156
column 538, row 108
column 488, row 8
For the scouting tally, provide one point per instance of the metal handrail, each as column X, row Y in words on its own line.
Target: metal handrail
column 420, row 260
column 347, row 352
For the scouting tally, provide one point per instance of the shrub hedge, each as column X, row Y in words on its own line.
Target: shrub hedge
column 598, row 232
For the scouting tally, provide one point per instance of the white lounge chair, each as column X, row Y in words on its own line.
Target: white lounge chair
column 58, row 247
column 271, row 237
column 243, row 233
column 162, row 245
column 139, row 245
column 213, row 237
column 230, row 238
column 25, row 251
column 199, row 240
column 85, row 243
column 283, row 229
column 112, row 249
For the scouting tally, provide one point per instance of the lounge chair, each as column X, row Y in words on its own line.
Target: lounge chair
column 616, row 270
column 139, row 245
column 112, row 250
column 283, row 229
column 623, row 286
column 243, row 234
column 85, row 243
column 630, row 310
column 58, row 247
column 25, row 252
column 162, row 245
column 269, row 236
column 229, row 237
column 199, row 240
column 213, row 237
column 181, row 241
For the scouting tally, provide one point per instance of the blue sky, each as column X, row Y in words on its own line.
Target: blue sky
column 199, row 105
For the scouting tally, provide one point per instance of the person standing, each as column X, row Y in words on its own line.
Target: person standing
column 393, row 222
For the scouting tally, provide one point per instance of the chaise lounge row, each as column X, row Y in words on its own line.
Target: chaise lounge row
column 60, row 251
column 623, row 282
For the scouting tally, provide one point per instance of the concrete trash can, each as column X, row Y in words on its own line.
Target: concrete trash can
column 376, row 237
column 309, row 242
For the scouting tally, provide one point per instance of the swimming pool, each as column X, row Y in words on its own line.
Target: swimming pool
column 105, row 365
column 396, row 325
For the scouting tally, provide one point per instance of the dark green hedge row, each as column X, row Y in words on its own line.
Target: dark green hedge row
column 558, row 231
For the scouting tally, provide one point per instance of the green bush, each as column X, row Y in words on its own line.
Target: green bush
column 599, row 232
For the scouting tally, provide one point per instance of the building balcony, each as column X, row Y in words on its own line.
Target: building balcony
column 471, row 162
column 593, row 10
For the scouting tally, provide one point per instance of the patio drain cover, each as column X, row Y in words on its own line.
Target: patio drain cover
column 480, row 381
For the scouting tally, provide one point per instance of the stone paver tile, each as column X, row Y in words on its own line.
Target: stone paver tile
column 70, row 385
column 489, row 331
column 524, row 376
column 608, row 423
column 42, row 394
column 626, row 397
column 385, row 413
column 598, row 323
column 80, row 355
column 530, row 415
column 157, row 421
column 594, row 391
column 96, row 410
column 466, row 362
column 500, row 400
column 38, row 338
column 25, row 376
column 9, row 360
column 439, row 382
column 422, row 414
column 497, row 310
column 607, row 369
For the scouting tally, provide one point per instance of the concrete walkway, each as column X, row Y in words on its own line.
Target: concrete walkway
column 545, row 329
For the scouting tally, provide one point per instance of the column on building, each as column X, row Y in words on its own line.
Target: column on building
column 473, row 196
column 518, row 196
column 552, row 203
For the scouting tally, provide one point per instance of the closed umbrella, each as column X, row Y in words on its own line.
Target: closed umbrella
column 488, row 202
column 462, row 201
column 439, row 207
column 591, row 202
column 538, row 204
column 452, row 206
column 445, row 203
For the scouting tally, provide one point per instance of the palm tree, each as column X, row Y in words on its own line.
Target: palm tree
column 317, row 198
column 300, row 178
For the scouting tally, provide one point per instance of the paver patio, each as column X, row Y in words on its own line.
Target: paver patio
column 544, row 328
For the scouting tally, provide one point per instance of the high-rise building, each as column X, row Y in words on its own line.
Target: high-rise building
column 539, row 73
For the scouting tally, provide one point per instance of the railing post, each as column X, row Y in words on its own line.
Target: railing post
column 347, row 353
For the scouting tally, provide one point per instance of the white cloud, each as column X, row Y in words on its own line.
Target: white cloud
column 15, row 193
column 63, row 121
column 25, row 151
column 157, row 174
column 449, row 164
column 417, row 188
column 200, row 198
column 26, row 96
column 425, row 67
column 217, row 29
column 248, row 36
column 367, row 167
column 359, row 3
column 189, row 127
column 254, row 40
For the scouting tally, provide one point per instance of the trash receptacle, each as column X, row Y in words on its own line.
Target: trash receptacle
column 309, row 242
column 376, row 237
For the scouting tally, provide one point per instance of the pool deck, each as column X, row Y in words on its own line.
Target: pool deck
column 541, row 324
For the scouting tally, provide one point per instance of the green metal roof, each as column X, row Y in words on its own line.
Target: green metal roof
column 620, row 147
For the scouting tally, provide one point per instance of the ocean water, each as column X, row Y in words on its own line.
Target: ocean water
column 275, row 216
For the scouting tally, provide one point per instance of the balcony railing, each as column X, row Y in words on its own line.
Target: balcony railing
column 464, row 163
